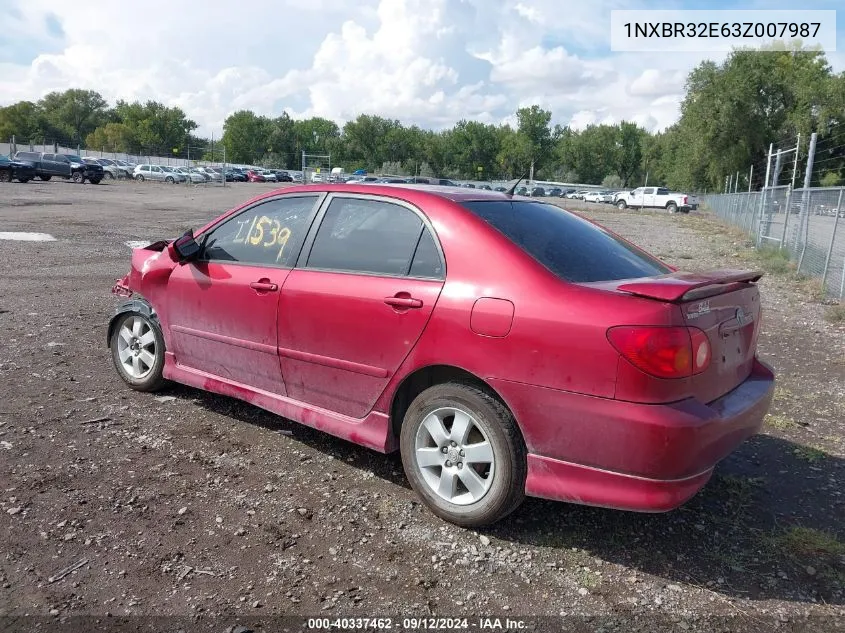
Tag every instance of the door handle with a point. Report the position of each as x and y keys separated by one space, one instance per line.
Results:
x=263 y=285
x=403 y=302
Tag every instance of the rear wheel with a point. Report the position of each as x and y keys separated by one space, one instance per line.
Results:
x=108 y=175
x=672 y=207
x=169 y=180
x=23 y=179
x=95 y=181
x=139 y=178
x=78 y=177
x=463 y=454
x=45 y=178
x=6 y=175
x=137 y=349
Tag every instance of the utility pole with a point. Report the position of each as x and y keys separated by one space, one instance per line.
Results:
x=212 y=147
x=224 y=166
x=531 y=177
x=736 y=182
x=750 y=175
x=811 y=155
x=645 y=184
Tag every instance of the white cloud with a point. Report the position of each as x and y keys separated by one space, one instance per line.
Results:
x=429 y=62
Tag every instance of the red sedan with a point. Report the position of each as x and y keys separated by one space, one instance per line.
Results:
x=504 y=346
x=254 y=176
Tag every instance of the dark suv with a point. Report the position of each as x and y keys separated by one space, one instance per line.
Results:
x=67 y=166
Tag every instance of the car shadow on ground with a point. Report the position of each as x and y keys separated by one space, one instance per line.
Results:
x=768 y=525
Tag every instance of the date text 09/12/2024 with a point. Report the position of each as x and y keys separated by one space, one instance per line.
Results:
x=417 y=624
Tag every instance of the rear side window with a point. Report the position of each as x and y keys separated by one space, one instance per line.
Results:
x=662 y=192
x=569 y=246
x=367 y=236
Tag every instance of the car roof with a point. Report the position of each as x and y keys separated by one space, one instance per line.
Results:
x=409 y=192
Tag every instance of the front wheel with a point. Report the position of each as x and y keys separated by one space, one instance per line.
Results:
x=169 y=180
x=463 y=454
x=137 y=348
x=621 y=205
x=78 y=177
x=108 y=175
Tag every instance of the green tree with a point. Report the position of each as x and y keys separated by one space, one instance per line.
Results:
x=245 y=136
x=473 y=145
x=629 y=152
x=24 y=120
x=74 y=114
x=533 y=125
x=112 y=137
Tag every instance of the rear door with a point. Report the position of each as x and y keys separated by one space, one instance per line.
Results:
x=357 y=302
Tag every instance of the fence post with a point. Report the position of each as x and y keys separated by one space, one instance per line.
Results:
x=763 y=196
x=788 y=210
x=832 y=239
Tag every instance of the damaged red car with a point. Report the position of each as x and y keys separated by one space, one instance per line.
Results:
x=504 y=346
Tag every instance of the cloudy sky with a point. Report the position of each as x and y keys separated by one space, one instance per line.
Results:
x=429 y=62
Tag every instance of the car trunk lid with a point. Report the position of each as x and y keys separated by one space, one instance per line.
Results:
x=725 y=305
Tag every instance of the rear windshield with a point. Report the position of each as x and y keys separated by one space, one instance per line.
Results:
x=569 y=246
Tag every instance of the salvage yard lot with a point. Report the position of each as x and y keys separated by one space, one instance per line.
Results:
x=185 y=502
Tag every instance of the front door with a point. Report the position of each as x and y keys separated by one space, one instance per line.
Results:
x=357 y=303
x=222 y=309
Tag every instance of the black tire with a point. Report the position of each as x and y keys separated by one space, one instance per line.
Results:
x=621 y=205
x=78 y=177
x=95 y=181
x=672 y=207
x=169 y=180
x=23 y=180
x=154 y=380
x=45 y=178
x=507 y=490
x=139 y=178
x=6 y=175
x=108 y=175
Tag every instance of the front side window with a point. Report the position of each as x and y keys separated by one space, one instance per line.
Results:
x=569 y=246
x=268 y=234
x=367 y=236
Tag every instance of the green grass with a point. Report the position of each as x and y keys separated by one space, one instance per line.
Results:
x=774 y=260
x=808 y=547
x=780 y=422
x=805 y=542
x=809 y=454
x=835 y=314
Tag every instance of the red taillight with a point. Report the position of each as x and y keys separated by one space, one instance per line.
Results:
x=665 y=352
x=685 y=199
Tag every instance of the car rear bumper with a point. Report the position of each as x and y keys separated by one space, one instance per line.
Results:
x=631 y=456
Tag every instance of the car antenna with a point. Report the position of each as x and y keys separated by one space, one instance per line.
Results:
x=510 y=191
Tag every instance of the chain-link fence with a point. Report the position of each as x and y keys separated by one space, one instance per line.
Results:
x=809 y=224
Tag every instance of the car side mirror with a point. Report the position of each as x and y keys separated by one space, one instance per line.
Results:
x=187 y=247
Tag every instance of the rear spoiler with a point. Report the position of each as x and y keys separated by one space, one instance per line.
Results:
x=685 y=286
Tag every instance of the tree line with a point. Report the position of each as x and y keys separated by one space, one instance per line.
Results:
x=730 y=114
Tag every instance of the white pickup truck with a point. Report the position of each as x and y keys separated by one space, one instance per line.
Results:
x=656 y=198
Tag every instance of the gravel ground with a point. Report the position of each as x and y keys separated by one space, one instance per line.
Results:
x=189 y=504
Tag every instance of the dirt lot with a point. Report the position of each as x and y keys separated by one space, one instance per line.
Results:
x=194 y=504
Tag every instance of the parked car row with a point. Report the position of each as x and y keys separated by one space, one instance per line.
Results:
x=45 y=165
